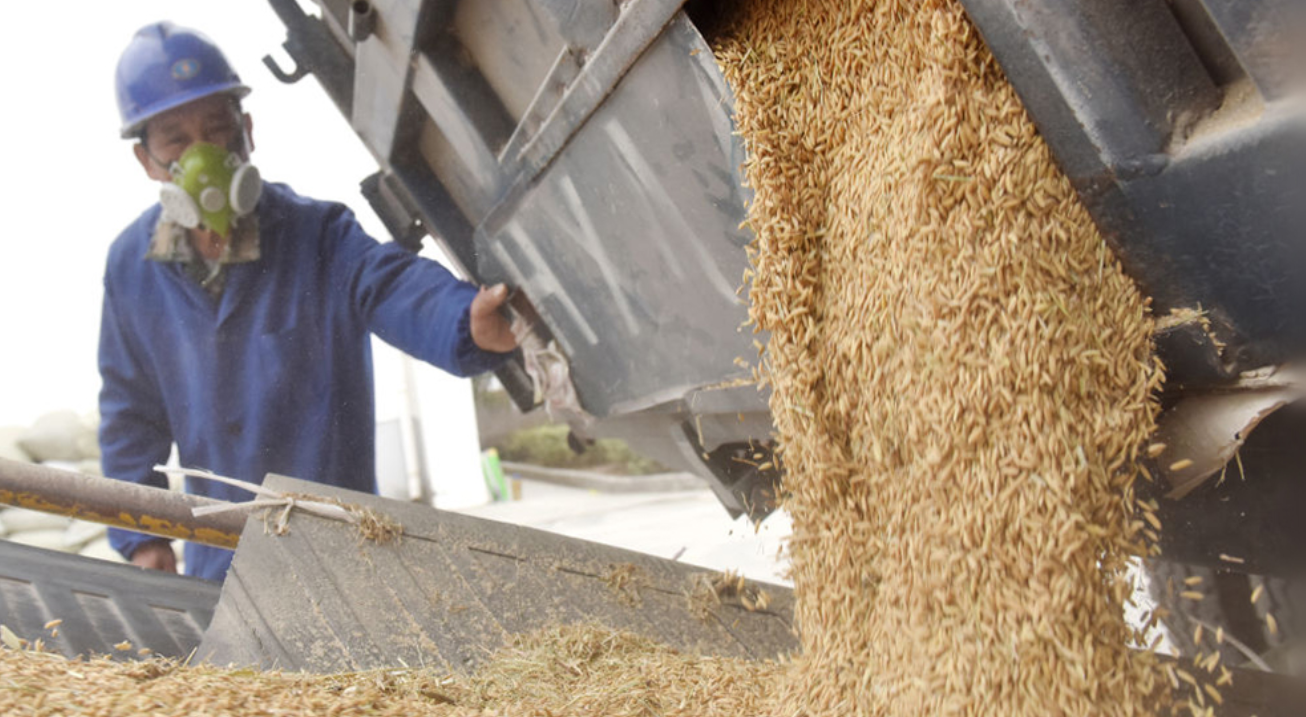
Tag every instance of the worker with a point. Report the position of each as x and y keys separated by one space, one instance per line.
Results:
x=237 y=314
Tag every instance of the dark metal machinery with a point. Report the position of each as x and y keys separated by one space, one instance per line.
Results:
x=1179 y=122
x=1181 y=125
x=583 y=152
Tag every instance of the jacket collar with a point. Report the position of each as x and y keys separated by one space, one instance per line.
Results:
x=170 y=243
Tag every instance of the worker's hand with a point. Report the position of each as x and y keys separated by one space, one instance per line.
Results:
x=491 y=330
x=156 y=555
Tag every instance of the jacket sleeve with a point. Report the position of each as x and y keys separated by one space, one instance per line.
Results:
x=134 y=433
x=411 y=302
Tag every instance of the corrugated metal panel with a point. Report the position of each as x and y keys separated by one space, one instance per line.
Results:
x=101 y=604
x=320 y=599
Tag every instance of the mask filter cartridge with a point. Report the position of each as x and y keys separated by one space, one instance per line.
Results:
x=211 y=186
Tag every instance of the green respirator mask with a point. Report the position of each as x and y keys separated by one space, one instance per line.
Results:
x=210 y=186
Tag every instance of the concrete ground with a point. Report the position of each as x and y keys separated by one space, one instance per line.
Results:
x=690 y=526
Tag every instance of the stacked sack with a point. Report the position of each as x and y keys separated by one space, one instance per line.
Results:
x=61 y=440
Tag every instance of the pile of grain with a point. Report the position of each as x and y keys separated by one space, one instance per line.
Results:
x=961 y=374
x=566 y=671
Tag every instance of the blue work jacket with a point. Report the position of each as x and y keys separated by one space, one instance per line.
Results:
x=275 y=375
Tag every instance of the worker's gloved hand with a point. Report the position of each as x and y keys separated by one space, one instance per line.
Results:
x=156 y=555
x=491 y=330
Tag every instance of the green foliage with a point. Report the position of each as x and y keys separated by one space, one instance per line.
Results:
x=547 y=446
x=487 y=395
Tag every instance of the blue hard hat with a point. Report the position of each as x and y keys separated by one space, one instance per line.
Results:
x=166 y=66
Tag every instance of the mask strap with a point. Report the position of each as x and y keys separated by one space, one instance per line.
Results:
x=170 y=168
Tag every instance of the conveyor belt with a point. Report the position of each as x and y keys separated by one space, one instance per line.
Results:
x=101 y=604
x=322 y=599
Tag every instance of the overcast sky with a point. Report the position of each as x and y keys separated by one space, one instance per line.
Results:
x=74 y=184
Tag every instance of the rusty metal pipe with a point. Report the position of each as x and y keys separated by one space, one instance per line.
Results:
x=117 y=503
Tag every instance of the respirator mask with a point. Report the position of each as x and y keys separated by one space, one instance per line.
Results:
x=212 y=186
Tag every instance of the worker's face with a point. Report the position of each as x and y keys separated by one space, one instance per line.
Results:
x=216 y=119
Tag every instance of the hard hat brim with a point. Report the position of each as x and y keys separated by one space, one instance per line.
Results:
x=133 y=130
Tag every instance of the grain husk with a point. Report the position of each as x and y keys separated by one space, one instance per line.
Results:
x=961 y=375
x=577 y=670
